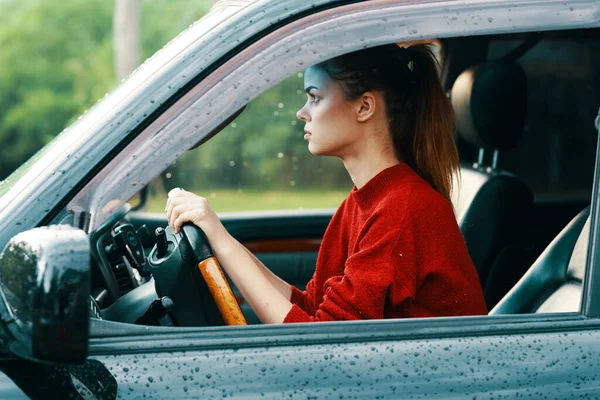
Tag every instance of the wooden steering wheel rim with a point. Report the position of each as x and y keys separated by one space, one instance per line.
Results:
x=221 y=292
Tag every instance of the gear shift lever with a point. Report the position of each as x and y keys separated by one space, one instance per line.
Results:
x=161 y=242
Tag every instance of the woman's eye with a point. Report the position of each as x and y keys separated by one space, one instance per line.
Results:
x=314 y=98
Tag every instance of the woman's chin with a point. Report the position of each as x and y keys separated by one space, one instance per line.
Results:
x=315 y=150
x=319 y=150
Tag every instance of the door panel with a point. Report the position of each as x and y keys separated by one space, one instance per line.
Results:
x=506 y=366
x=286 y=242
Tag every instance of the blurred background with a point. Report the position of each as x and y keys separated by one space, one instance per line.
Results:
x=59 y=58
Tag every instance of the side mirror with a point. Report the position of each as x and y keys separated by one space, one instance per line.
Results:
x=44 y=294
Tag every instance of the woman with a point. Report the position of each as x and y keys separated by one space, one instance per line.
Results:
x=393 y=249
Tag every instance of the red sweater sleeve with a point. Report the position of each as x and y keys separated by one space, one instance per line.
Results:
x=359 y=294
x=304 y=300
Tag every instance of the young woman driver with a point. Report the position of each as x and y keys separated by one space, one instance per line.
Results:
x=393 y=248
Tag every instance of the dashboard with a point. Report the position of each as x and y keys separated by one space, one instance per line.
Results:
x=141 y=279
x=118 y=258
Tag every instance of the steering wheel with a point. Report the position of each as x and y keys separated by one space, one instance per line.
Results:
x=185 y=269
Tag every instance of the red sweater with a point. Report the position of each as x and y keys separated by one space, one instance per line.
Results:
x=392 y=250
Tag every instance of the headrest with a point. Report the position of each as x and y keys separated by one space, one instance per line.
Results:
x=490 y=102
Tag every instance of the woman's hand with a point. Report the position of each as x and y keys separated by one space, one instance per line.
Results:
x=183 y=206
x=266 y=294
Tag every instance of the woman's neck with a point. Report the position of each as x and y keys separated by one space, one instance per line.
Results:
x=364 y=167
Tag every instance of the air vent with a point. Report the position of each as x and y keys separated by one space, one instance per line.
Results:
x=122 y=277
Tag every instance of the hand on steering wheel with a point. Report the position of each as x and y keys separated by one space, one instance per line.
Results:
x=184 y=207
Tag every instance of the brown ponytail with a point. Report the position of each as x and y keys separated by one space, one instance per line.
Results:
x=421 y=117
x=434 y=151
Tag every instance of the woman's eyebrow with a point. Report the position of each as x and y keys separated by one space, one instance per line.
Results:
x=308 y=89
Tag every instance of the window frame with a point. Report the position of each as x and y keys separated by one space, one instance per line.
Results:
x=590 y=306
x=429 y=20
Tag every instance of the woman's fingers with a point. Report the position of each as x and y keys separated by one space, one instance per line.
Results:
x=176 y=194
x=194 y=208
x=185 y=207
x=186 y=216
x=181 y=197
x=177 y=210
x=171 y=204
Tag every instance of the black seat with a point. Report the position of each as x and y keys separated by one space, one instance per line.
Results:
x=491 y=205
x=554 y=281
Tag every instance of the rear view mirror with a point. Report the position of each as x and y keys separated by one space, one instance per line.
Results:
x=44 y=290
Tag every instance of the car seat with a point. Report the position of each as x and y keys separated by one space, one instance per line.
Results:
x=491 y=205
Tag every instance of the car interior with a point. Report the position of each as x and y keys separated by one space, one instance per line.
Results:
x=525 y=109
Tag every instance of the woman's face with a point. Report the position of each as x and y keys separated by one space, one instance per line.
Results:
x=331 y=127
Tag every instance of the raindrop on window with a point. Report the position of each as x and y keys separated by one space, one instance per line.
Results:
x=292 y=183
x=231 y=163
x=276 y=113
x=300 y=74
x=294 y=122
x=280 y=105
x=233 y=125
x=298 y=92
x=280 y=155
x=213 y=195
x=168 y=175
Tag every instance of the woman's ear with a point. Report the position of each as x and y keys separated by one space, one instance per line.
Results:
x=367 y=106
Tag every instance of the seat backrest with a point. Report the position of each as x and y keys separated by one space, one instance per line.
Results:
x=491 y=210
x=554 y=281
x=491 y=205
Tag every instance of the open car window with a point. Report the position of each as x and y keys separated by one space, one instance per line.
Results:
x=258 y=162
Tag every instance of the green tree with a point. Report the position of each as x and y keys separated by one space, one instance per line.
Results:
x=56 y=60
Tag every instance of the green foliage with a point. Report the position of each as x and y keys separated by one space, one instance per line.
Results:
x=260 y=200
x=263 y=149
x=56 y=60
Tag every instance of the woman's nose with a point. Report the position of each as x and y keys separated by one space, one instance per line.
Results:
x=302 y=114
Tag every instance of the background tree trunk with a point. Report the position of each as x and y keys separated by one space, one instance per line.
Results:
x=126 y=33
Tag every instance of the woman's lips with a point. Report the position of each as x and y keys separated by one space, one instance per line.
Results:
x=307 y=135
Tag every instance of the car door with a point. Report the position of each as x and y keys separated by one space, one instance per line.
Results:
x=543 y=355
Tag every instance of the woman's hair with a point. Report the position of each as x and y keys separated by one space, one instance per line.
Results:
x=420 y=115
